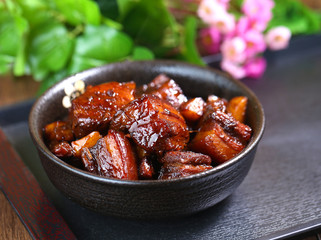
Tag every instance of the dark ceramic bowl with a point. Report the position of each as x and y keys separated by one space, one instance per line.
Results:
x=151 y=198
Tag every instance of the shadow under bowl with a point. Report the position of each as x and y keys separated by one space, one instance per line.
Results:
x=148 y=198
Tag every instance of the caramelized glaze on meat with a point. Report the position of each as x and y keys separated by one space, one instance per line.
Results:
x=146 y=169
x=165 y=88
x=87 y=141
x=237 y=108
x=118 y=131
x=112 y=156
x=61 y=149
x=216 y=103
x=220 y=136
x=177 y=170
x=57 y=135
x=183 y=163
x=154 y=125
x=193 y=109
x=58 y=131
x=93 y=110
x=186 y=157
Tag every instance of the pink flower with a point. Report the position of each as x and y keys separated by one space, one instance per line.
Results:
x=207 y=9
x=259 y=12
x=258 y=8
x=278 y=38
x=223 y=2
x=210 y=39
x=214 y=13
x=233 y=68
x=223 y=21
x=255 y=67
x=242 y=26
x=254 y=42
x=234 y=49
x=242 y=41
x=259 y=24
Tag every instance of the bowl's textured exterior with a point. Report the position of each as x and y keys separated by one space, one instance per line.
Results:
x=151 y=198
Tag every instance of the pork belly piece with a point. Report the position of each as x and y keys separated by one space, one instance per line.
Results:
x=193 y=109
x=237 y=107
x=216 y=103
x=61 y=149
x=146 y=169
x=57 y=135
x=87 y=141
x=165 y=88
x=58 y=131
x=213 y=104
x=185 y=157
x=89 y=162
x=154 y=124
x=93 y=110
x=183 y=163
x=220 y=136
x=146 y=162
x=177 y=170
x=112 y=156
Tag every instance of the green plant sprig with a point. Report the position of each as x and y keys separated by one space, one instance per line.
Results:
x=51 y=39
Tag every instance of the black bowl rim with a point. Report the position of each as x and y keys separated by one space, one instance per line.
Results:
x=141 y=183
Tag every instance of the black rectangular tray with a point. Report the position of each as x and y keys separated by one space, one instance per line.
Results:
x=280 y=197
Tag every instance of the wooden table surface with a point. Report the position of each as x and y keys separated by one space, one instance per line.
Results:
x=13 y=91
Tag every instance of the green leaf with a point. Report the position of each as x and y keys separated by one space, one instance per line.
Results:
x=190 y=51
x=20 y=61
x=79 y=64
x=108 y=8
x=148 y=22
x=50 y=49
x=125 y=6
x=51 y=80
x=313 y=19
x=12 y=7
x=38 y=12
x=296 y=16
x=5 y=63
x=79 y=11
x=113 y=24
x=40 y=74
x=21 y=25
x=103 y=43
x=142 y=53
x=9 y=35
x=13 y=30
x=34 y=5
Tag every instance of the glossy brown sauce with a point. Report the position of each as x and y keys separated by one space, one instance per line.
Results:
x=122 y=131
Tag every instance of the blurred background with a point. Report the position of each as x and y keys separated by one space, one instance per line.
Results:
x=42 y=42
